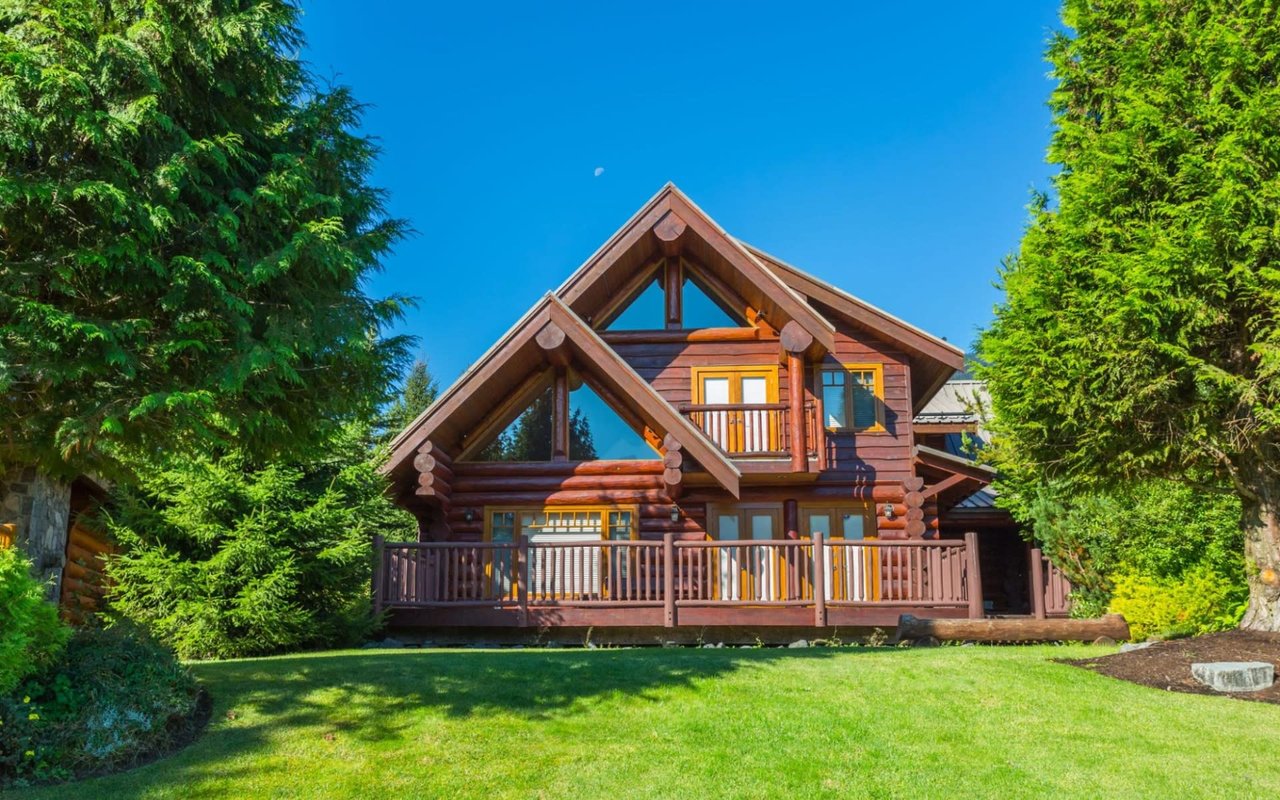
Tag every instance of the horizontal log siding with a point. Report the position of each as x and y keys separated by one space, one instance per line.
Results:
x=668 y=366
x=638 y=483
x=882 y=456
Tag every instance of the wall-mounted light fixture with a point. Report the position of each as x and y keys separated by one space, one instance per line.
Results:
x=469 y=515
x=675 y=513
x=888 y=510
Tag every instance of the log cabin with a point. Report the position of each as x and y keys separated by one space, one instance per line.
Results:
x=762 y=470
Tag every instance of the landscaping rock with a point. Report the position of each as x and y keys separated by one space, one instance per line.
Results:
x=1106 y=641
x=798 y=643
x=1129 y=647
x=1235 y=676
x=385 y=644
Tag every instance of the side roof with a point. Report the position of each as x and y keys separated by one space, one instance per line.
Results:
x=933 y=360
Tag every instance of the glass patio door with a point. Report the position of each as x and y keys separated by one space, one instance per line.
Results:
x=738 y=430
x=749 y=572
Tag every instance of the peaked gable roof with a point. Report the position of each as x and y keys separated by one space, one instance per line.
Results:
x=934 y=360
x=515 y=363
x=671 y=223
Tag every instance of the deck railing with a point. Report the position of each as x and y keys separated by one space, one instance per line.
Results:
x=670 y=574
x=752 y=430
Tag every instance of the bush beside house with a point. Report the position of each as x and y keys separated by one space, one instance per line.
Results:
x=1166 y=554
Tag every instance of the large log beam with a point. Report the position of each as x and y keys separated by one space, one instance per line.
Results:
x=565 y=498
x=668 y=231
x=552 y=341
x=1027 y=629
x=504 y=469
x=553 y=483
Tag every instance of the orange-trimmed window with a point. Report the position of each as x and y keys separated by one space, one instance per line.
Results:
x=838 y=521
x=560 y=523
x=852 y=397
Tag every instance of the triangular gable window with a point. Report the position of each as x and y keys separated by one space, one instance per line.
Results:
x=595 y=432
x=609 y=436
x=645 y=312
x=701 y=309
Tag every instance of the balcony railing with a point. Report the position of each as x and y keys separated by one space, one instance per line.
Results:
x=812 y=574
x=752 y=430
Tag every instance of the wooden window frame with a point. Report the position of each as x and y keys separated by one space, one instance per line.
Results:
x=877 y=390
x=770 y=372
x=603 y=509
x=714 y=511
x=866 y=507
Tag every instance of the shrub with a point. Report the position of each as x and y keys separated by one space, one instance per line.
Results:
x=114 y=697
x=1198 y=601
x=223 y=559
x=31 y=635
x=1154 y=532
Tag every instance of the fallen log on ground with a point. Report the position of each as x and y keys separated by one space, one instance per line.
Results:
x=1028 y=629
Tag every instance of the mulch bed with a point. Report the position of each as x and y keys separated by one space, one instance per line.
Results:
x=1167 y=665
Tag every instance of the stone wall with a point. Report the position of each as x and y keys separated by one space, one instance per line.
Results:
x=39 y=510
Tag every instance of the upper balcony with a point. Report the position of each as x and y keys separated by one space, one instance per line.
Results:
x=760 y=431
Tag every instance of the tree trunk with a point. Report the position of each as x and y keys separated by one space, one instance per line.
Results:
x=1261 y=522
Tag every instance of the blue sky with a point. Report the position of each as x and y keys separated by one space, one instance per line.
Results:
x=888 y=148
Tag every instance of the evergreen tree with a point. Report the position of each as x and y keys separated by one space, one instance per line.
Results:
x=416 y=394
x=185 y=226
x=1140 y=335
x=529 y=437
x=222 y=558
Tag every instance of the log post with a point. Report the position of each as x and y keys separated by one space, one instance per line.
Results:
x=819 y=581
x=522 y=581
x=674 y=280
x=379 y=572
x=560 y=417
x=669 y=579
x=791 y=518
x=795 y=389
x=974 y=575
x=1037 y=584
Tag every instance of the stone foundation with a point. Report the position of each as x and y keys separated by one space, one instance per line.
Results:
x=38 y=509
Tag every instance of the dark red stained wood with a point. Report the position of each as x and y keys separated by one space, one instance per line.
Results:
x=674 y=276
x=560 y=417
x=476 y=469
x=694 y=336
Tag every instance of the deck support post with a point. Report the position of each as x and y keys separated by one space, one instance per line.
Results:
x=1037 y=583
x=669 y=579
x=974 y=575
x=522 y=581
x=819 y=581
x=379 y=572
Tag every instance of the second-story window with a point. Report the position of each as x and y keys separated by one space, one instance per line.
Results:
x=853 y=397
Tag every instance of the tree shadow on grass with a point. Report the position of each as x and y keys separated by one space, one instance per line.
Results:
x=380 y=696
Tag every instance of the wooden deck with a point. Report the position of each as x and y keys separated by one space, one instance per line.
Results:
x=676 y=583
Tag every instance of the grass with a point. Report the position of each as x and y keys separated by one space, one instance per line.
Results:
x=704 y=723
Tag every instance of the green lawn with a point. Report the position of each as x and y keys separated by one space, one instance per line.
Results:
x=946 y=722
